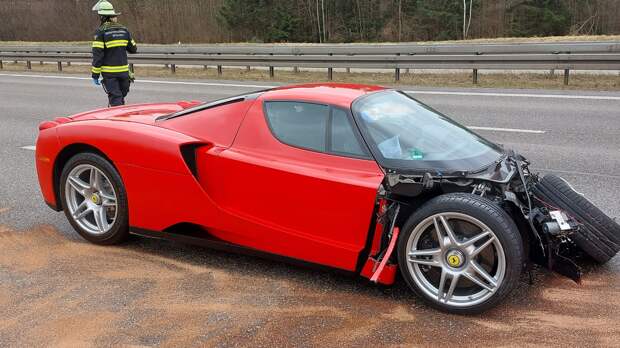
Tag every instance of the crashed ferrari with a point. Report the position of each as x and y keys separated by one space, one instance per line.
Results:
x=363 y=179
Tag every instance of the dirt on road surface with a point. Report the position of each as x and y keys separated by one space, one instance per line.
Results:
x=57 y=290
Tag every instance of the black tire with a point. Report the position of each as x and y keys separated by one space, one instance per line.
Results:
x=119 y=231
x=492 y=216
x=598 y=235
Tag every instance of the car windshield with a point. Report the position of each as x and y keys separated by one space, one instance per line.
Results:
x=406 y=134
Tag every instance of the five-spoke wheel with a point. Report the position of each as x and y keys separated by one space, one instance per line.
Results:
x=461 y=252
x=464 y=264
x=91 y=199
x=94 y=198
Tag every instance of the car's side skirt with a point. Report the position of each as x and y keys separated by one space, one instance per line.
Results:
x=200 y=238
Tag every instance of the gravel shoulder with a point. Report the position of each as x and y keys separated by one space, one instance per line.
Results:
x=56 y=290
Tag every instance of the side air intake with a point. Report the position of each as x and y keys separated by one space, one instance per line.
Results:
x=188 y=151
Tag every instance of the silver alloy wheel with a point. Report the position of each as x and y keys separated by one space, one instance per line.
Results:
x=461 y=268
x=91 y=199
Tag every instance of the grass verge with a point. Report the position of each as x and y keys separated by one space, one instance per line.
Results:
x=568 y=38
x=609 y=82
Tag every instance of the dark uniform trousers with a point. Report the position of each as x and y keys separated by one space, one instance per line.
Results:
x=117 y=88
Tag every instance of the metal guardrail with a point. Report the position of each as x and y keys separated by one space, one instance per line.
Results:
x=517 y=56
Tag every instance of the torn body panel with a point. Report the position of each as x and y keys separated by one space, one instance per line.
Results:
x=507 y=182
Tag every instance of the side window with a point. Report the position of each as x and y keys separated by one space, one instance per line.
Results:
x=299 y=124
x=343 y=138
x=315 y=127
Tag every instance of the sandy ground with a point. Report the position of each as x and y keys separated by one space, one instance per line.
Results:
x=62 y=291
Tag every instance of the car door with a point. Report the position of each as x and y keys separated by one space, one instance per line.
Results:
x=299 y=182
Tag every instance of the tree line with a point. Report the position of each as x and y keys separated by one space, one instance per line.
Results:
x=211 y=21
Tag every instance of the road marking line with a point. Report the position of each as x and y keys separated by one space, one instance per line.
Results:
x=147 y=81
x=609 y=176
x=519 y=95
x=513 y=130
x=477 y=94
x=31 y=148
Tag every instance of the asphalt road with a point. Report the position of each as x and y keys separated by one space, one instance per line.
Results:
x=207 y=297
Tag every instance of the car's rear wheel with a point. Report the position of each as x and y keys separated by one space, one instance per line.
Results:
x=461 y=253
x=94 y=199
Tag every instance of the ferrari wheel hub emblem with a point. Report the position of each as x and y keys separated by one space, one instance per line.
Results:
x=455 y=258
x=95 y=198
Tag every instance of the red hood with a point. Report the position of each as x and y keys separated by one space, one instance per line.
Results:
x=140 y=113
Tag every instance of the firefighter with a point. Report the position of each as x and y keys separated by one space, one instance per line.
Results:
x=110 y=46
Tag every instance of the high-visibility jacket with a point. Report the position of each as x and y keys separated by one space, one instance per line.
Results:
x=110 y=46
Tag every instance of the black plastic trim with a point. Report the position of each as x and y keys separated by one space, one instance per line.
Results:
x=203 y=238
x=365 y=253
x=53 y=206
x=213 y=104
x=188 y=151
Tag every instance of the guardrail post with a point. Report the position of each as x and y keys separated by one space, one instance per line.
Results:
x=59 y=66
x=131 y=67
x=475 y=76
x=28 y=65
x=566 y=76
x=248 y=68
x=173 y=67
x=1 y=65
x=271 y=70
x=68 y=63
x=330 y=71
x=397 y=71
x=219 y=68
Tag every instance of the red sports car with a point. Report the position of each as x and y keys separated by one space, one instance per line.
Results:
x=359 y=178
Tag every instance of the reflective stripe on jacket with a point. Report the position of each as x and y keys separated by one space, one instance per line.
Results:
x=110 y=46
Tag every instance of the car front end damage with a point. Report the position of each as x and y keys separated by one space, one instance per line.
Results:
x=548 y=231
x=449 y=194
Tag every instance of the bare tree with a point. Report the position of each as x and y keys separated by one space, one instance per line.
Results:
x=304 y=20
x=400 y=19
x=471 y=5
x=323 y=13
x=464 y=17
x=318 y=21
x=466 y=21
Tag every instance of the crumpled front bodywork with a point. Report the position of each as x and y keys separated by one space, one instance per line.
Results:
x=508 y=183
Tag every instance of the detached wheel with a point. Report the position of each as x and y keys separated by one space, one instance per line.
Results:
x=598 y=235
x=94 y=199
x=461 y=253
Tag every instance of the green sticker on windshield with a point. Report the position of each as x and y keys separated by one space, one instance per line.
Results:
x=416 y=154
